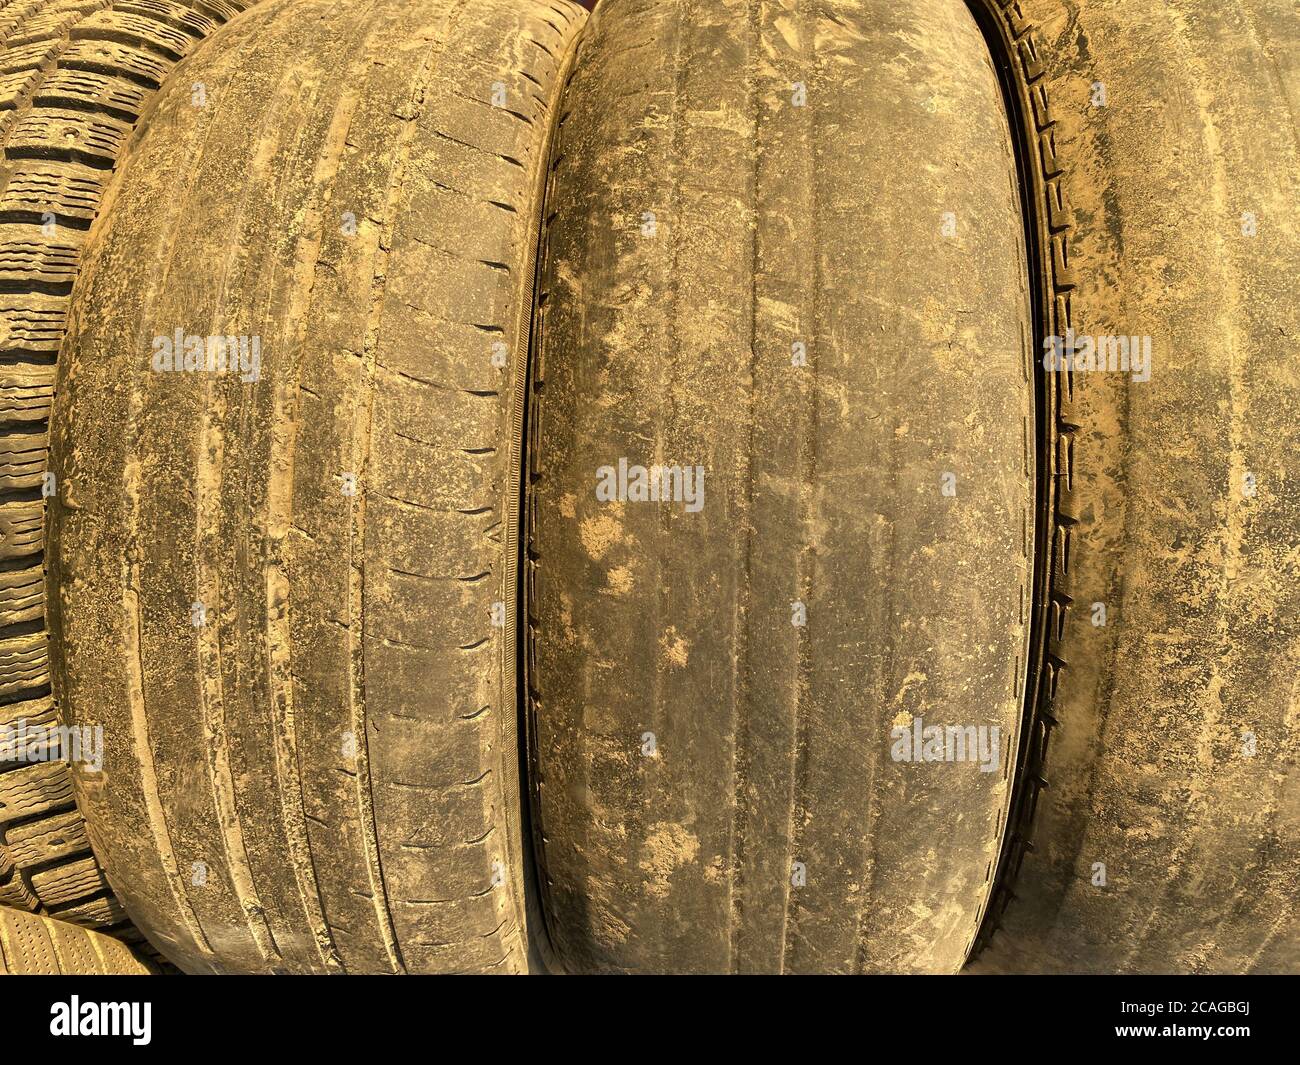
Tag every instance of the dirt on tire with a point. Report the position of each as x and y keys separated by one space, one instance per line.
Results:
x=75 y=78
x=1158 y=825
x=287 y=590
x=800 y=287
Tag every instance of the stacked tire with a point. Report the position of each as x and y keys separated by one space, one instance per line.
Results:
x=1163 y=815
x=76 y=79
x=297 y=618
x=535 y=492
x=32 y=944
x=711 y=679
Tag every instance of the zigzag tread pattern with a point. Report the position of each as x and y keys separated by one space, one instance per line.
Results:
x=1010 y=33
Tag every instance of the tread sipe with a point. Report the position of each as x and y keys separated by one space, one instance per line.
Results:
x=289 y=594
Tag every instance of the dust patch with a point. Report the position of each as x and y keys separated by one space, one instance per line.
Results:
x=675 y=650
x=619 y=580
x=913 y=678
x=668 y=847
x=599 y=534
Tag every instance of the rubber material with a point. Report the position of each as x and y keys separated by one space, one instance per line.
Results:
x=784 y=244
x=1162 y=819
x=296 y=622
x=36 y=945
x=75 y=76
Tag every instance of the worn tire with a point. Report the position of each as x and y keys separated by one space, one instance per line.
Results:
x=328 y=739
x=75 y=76
x=1149 y=840
x=35 y=945
x=692 y=740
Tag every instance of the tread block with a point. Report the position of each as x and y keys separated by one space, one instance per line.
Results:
x=99 y=913
x=179 y=16
x=82 y=88
x=76 y=951
x=222 y=9
x=22 y=595
x=67 y=883
x=33 y=788
x=49 y=839
x=12 y=13
x=22 y=529
x=112 y=57
x=25 y=396
x=65 y=190
x=138 y=30
x=16 y=86
x=63 y=134
x=24 y=667
x=29 y=947
x=23 y=460
x=32 y=711
x=50 y=27
x=16 y=895
x=32 y=323
x=28 y=57
x=28 y=257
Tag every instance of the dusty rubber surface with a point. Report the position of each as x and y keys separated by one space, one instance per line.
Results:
x=35 y=945
x=1167 y=835
x=290 y=599
x=784 y=245
x=75 y=76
